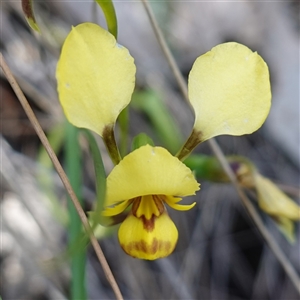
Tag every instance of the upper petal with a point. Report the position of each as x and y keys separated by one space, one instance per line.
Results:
x=95 y=77
x=149 y=171
x=229 y=89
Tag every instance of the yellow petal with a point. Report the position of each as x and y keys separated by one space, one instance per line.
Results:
x=229 y=89
x=151 y=239
x=149 y=171
x=273 y=201
x=171 y=201
x=112 y=211
x=95 y=77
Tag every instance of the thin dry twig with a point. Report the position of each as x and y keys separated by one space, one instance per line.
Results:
x=279 y=254
x=62 y=175
x=287 y=266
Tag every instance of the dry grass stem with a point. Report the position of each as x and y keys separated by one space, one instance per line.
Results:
x=289 y=269
x=62 y=175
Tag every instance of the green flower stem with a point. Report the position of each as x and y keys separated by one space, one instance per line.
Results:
x=108 y=9
x=123 y=123
x=108 y=136
x=193 y=140
x=78 y=259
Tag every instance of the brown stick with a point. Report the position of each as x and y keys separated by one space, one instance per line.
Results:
x=62 y=175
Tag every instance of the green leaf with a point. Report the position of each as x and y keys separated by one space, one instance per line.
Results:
x=73 y=168
x=108 y=9
x=100 y=178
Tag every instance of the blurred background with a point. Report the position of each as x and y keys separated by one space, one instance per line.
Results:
x=220 y=254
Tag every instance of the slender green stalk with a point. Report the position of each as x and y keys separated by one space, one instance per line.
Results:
x=123 y=124
x=73 y=167
x=108 y=9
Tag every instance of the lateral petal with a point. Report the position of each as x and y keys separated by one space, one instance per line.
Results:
x=229 y=89
x=96 y=77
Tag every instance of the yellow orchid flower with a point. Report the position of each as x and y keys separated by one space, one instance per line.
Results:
x=147 y=179
x=229 y=90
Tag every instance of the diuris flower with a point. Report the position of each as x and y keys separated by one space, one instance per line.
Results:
x=147 y=179
x=229 y=90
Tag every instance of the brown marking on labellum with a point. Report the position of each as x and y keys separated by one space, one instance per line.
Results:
x=149 y=225
x=135 y=205
x=159 y=202
x=149 y=249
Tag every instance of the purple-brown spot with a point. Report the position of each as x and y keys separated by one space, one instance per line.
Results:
x=28 y=9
